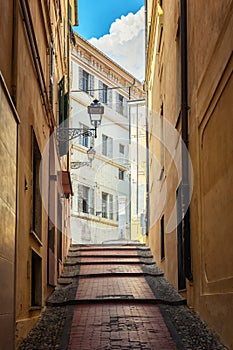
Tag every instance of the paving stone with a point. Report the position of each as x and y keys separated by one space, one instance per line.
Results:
x=124 y=315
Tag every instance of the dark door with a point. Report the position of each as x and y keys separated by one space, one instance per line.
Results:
x=180 y=241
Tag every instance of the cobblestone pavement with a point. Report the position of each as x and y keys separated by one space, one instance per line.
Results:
x=115 y=297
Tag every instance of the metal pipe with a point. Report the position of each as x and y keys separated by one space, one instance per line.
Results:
x=185 y=139
x=26 y=14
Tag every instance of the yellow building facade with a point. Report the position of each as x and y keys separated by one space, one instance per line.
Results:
x=36 y=189
x=190 y=119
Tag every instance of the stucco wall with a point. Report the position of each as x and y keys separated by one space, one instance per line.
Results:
x=8 y=164
x=210 y=27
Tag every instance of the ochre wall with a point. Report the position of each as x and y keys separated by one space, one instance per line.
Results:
x=8 y=164
x=210 y=118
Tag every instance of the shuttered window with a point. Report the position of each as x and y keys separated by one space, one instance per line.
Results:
x=63 y=112
x=86 y=82
x=51 y=76
x=121 y=104
x=103 y=92
x=107 y=206
x=107 y=146
x=85 y=199
x=36 y=193
x=109 y=98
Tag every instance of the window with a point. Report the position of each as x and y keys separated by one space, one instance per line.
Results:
x=107 y=146
x=104 y=205
x=119 y=103
x=63 y=112
x=162 y=243
x=110 y=206
x=36 y=280
x=103 y=92
x=107 y=206
x=63 y=106
x=86 y=82
x=121 y=174
x=180 y=240
x=59 y=231
x=162 y=148
x=51 y=76
x=122 y=149
x=84 y=139
x=36 y=197
x=85 y=199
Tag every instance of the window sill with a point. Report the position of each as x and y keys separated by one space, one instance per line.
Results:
x=34 y=308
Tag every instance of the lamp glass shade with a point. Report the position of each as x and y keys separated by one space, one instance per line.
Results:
x=95 y=110
x=91 y=153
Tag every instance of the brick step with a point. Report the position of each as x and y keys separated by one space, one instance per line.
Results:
x=116 y=256
x=113 y=262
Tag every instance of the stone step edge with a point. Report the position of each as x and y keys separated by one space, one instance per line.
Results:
x=113 y=257
x=155 y=301
x=139 y=262
x=131 y=248
x=114 y=274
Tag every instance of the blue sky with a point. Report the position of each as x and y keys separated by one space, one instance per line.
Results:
x=96 y=16
x=117 y=28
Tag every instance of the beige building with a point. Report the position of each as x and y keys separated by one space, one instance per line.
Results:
x=189 y=84
x=138 y=169
x=101 y=205
x=35 y=195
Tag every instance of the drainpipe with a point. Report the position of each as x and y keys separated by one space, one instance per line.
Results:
x=185 y=139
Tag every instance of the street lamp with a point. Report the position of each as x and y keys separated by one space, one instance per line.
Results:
x=90 y=155
x=95 y=111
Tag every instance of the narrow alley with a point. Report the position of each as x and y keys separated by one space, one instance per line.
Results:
x=115 y=297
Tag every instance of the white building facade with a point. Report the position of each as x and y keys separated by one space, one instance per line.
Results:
x=101 y=204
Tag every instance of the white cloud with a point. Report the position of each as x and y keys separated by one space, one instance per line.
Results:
x=125 y=43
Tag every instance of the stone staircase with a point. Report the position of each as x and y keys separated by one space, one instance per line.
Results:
x=107 y=261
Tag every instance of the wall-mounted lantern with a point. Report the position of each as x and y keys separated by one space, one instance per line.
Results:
x=90 y=155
